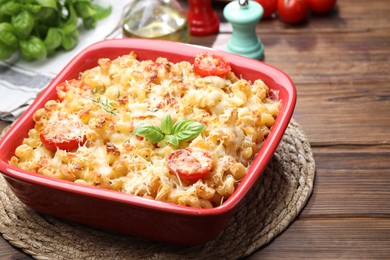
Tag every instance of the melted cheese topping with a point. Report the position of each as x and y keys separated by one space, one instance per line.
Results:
x=125 y=92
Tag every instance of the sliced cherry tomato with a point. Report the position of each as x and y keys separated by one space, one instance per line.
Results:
x=190 y=164
x=320 y=6
x=64 y=134
x=269 y=7
x=207 y=64
x=66 y=85
x=292 y=11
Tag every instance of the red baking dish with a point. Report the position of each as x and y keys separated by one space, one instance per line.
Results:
x=127 y=214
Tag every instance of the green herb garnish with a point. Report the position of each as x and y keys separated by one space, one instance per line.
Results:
x=182 y=130
x=107 y=105
x=98 y=90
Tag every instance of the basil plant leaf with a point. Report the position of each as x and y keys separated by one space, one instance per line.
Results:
x=33 y=48
x=47 y=3
x=101 y=11
x=53 y=39
x=70 y=40
x=89 y=22
x=71 y=23
x=6 y=51
x=10 y=8
x=186 y=129
x=84 y=9
x=87 y=13
x=23 y=23
x=7 y=35
x=152 y=133
x=172 y=140
x=167 y=125
x=32 y=8
x=47 y=16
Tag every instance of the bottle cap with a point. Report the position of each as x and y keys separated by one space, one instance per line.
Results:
x=202 y=18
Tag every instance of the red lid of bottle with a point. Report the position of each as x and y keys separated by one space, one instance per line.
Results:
x=203 y=20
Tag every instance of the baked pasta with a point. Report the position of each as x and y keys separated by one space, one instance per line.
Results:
x=182 y=133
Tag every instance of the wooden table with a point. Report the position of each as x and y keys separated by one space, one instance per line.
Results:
x=340 y=64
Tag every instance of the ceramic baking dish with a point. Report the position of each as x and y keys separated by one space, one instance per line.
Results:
x=133 y=215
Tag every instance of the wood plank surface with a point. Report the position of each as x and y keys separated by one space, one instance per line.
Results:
x=350 y=182
x=331 y=238
x=340 y=64
x=345 y=114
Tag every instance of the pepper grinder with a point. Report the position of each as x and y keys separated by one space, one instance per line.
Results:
x=202 y=18
x=244 y=15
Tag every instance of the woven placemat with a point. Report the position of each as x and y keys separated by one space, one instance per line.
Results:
x=271 y=205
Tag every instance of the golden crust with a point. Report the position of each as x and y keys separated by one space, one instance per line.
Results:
x=116 y=96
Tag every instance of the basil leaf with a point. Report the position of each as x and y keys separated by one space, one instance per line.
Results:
x=91 y=13
x=172 y=140
x=23 y=23
x=84 y=9
x=186 y=129
x=48 y=3
x=89 y=22
x=70 y=40
x=10 y=8
x=101 y=11
x=87 y=13
x=6 y=51
x=32 y=8
x=7 y=35
x=53 y=39
x=33 y=48
x=152 y=133
x=71 y=23
x=167 y=125
x=47 y=16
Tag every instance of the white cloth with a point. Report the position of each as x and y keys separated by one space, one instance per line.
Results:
x=21 y=81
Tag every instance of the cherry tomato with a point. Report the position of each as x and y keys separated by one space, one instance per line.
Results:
x=320 y=6
x=64 y=134
x=190 y=164
x=207 y=64
x=66 y=85
x=269 y=7
x=292 y=11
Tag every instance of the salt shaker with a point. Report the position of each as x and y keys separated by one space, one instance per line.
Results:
x=244 y=16
x=202 y=18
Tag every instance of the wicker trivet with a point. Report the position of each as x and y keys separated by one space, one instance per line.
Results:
x=272 y=204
